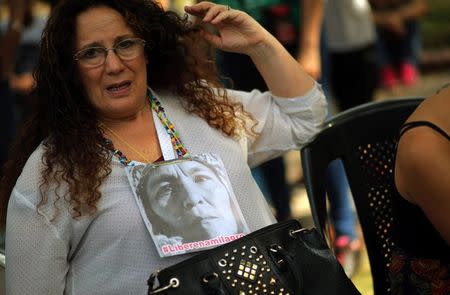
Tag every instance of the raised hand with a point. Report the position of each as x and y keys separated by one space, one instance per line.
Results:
x=238 y=32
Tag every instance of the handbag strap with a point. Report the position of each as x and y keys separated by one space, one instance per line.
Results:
x=285 y=263
x=213 y=285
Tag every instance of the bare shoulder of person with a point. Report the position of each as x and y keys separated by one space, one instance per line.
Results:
x=422 y=154
x=435 y=109
x=445 y=87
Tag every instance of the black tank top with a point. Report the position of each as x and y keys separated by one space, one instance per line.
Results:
x=412 y=231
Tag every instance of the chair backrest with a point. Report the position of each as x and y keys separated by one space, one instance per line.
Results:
x=364 y=137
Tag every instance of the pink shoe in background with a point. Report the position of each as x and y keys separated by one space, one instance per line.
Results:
x=348 y=253
x=388 y=77
x=408 y=74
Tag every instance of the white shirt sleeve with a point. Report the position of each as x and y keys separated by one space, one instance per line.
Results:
x=282 y=123
x=36 y=256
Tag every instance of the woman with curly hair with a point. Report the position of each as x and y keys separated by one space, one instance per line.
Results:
x=121 y=82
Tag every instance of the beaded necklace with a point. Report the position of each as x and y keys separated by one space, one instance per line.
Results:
x=175 y=139
x=170 y=128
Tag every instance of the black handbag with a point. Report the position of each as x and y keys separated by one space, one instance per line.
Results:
x=282 y=258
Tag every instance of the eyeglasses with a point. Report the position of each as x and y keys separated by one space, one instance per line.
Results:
x=126 y=49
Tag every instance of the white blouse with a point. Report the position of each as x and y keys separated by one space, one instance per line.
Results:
x=111 y=252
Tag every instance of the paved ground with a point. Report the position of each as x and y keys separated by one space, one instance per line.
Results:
x=428 y=84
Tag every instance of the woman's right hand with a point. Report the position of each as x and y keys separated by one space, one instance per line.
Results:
x=238 y=32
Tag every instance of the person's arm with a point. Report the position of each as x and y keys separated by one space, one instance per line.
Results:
x=395 y=19
x=282 y=124
x=422 y=172
x=309 y=40
x=36 y=255
x=389 y=20
x=422 y=175
x=240 y=33
x=412 y=10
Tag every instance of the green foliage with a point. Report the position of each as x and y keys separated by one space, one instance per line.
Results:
x=436 y=25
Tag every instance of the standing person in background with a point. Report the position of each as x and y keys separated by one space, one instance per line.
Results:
x=300 y=33
x=18 y=55
x=19 y=17
x=351 y=44
x=399 y=41
x=350 y=38
x=21 y=81
x=301 y=37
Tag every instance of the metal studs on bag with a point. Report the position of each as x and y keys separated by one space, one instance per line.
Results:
x=247 y=271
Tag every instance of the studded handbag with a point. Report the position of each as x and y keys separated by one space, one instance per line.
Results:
x=282 y=258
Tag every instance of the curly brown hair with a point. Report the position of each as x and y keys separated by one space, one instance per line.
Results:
x=64 y=120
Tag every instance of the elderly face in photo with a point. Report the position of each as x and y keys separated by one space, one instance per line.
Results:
x=189 y=199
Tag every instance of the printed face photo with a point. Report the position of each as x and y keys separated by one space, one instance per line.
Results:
x=189 y=200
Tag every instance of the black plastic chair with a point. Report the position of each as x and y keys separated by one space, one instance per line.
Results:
x=364 y=137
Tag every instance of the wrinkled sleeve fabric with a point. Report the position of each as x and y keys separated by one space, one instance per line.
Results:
x=282 y=123
x=36 y=255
